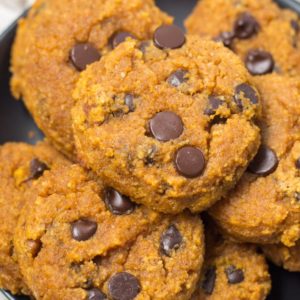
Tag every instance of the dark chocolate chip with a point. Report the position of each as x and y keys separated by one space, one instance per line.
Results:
x=169 y=37
x=96 y=294
x=166 y=126
x=35 y=247
x=246 y=91
x=82 y=55
x=177 y=78
x=297 y=163
x=264 y=163
x=117 y=203
x=214 y=104
x=37 y=168
x=170 y=240
x=129 y=101
x=189 y=162
x=120 y=37
x=226 y=38
x=234 y=275
x=209 y=281
x=259 y=62
x=245 y=26
x=83 y=229
x=123 y=286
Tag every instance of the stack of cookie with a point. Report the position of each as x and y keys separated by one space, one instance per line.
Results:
x=148 y=130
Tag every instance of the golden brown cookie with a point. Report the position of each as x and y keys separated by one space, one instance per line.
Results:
x=79 y=240
x=265 y=206
x=263 y=35
x=21 y=168
x=168 y=122
x=57 y=40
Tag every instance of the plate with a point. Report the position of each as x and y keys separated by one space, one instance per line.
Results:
x=16 y=124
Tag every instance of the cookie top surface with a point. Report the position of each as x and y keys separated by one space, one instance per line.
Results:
x=77 y=240
x=57 y=40
x=21 y=168
x=265 y=206
x=263 y=35
x=173 y=127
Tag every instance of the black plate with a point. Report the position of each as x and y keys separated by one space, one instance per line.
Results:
x=16 y=124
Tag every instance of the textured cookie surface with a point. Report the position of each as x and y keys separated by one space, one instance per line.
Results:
x=172 y=128
x=58 y=40
x=79 y=240
x=21 y=167
x=263 y=35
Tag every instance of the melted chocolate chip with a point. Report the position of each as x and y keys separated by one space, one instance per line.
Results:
x=37 y=168
x=120 y=37
x=264 y=163
x=83 y=229
x=226 y=38
x=129 y=101
x=177 y=78
x=35 y=247
x=117 y=203
x=169 y=37
x=259 y=62
x=96 y=294
x=214 y=104
x=245 y=26
x=234 y=275
x=123 y=286
x=246 y=91
x=170 y=240
x=297 y=163
x=209 y=281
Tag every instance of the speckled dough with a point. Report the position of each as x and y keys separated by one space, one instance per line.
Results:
x=266 y=209
x=57 y=266
x=115 y=140
x=17 y=178
x=43 y=74
x=277 y=31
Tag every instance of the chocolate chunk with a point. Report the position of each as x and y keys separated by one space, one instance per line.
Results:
x=246 y=91
x=245 y=26
x=123 y=286
x=234 y=275
x=189 y=162
x=83 y=229
x=120 y=37
x=214 y=104
x=209 y=281
x=264 y=163
x=35 y=247
x=96 y=294
x=37 y=168
x=117 y=203
x=177 y=78
x=169 y=37
x=170 y=240
x=166 y=126
x=297 y=163
x=82 y=55
x=226 y=38
x=259 y=62
x=129 y=101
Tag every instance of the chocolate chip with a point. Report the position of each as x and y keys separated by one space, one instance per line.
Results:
x=177 y=78
x=209 y=281
x=214 y=104
x=81 y=55
x=226 y=38
x=37 y=168
x=265 y=162
x=96 y=294
x=246 y=91
x=170 y=240
x=35 y=247
x=117 y=203
x=259 y=62
x=297 y=163
x=169 y=37
x=234 y=275
x=83 y=229
x=189 y=162
x=129 y=101
x=123 y=286
x=245 y=26
x=120 y=37
x=166 y=126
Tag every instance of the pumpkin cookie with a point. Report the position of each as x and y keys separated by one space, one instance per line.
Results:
x=167 y=122
x=79 y=240
x=263 y=35
x=21 y=167
x=57 y=40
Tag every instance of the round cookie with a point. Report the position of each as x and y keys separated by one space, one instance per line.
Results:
x=171 y=120
x=265 y=207
x=79 y=240
x=263 y=35
x=57 y=40
x=286 y=257
x=21 y=167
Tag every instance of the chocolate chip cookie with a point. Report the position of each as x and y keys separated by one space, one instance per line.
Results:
x=263 y=35
x=265 y=206
x=80 y=240
x=21 y=167
x=167 y=122
x=57 y=40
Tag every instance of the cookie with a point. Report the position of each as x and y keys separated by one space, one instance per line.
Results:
x=80 y=240
x=263 y=35
x=167 y=122
x=21 y=167
x=57 y=40
x=265 y=206
x=282 y=256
